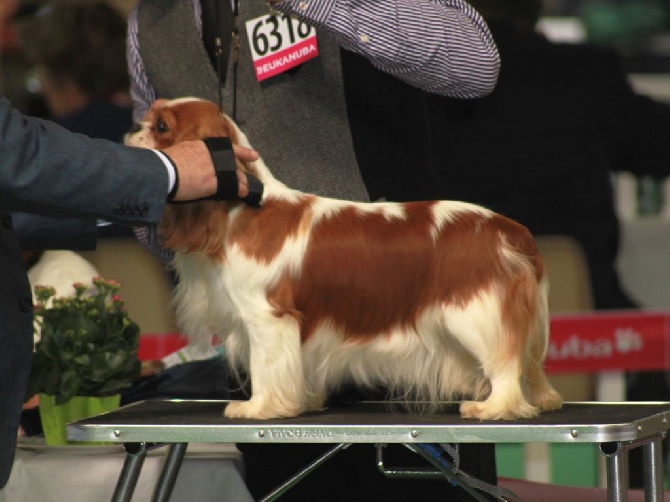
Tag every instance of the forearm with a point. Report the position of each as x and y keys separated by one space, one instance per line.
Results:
x=46 y=167
x=441 y=46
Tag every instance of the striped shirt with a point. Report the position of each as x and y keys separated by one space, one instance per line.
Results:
x=440 y=46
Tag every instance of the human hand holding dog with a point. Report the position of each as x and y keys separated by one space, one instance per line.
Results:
x=195 y=170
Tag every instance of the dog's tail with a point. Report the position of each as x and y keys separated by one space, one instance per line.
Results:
x=524 y=297
x=526 y=305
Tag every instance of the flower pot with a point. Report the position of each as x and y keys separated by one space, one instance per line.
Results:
x=55 y=417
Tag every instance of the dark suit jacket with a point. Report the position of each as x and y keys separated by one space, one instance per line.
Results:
x=539 y=149
x=45 y=169
x=39 y=233
x=98 y=118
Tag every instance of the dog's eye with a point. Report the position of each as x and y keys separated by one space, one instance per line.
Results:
x=161 y=126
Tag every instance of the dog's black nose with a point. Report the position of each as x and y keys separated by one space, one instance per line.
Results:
x=135 y=128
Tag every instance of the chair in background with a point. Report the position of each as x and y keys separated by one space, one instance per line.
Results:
x=569 y=292
x=145 y=284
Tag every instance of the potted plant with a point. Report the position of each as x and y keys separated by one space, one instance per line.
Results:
x=86 y=354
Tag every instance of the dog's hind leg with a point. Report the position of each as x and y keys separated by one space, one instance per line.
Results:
x=540 y=391
x=506 y=400
x=275 y=368
x=496 y=335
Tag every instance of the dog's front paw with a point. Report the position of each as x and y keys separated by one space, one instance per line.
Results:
x=257 y=410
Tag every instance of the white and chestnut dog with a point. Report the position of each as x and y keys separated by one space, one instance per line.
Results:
x=432 y=300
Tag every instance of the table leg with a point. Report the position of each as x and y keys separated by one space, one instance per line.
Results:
x=616 y=461
x=125 y=486
x=616 y=455
x=168 y=476
x=653 y=471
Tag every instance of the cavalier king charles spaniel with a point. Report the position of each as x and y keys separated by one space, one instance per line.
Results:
x=433 y=300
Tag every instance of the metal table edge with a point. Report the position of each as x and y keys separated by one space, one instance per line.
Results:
x=483 y=432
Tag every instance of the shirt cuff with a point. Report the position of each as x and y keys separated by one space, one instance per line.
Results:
x=172 y=175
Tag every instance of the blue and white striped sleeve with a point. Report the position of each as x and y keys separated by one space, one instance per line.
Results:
x=141 y=90
x=440 y=46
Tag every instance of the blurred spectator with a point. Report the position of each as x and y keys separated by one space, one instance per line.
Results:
x=7 y=10
x=540 y=148
x=78 y=49
x=13 y=64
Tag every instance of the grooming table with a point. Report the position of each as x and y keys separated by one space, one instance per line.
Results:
x=614 y=428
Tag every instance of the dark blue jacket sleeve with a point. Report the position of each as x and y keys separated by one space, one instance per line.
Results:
x=48 y=170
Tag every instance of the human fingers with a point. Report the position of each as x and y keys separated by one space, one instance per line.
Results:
x=244 y=154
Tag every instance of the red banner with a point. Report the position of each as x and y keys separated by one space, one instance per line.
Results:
x=157 y=346
x=612 y=341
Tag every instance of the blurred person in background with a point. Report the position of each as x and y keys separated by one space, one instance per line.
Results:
x=541 y=148
x=78 y=50
x=13 y=64
x=7 y=10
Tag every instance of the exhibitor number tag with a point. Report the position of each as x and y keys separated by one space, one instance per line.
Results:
x=278 y=43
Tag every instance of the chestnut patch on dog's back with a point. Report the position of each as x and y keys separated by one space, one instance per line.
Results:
x=360 y=269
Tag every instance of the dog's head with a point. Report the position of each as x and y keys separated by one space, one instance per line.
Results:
x=196 y=226
x=169 y=122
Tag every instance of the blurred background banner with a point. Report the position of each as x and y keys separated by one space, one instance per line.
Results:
x=621 y=341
